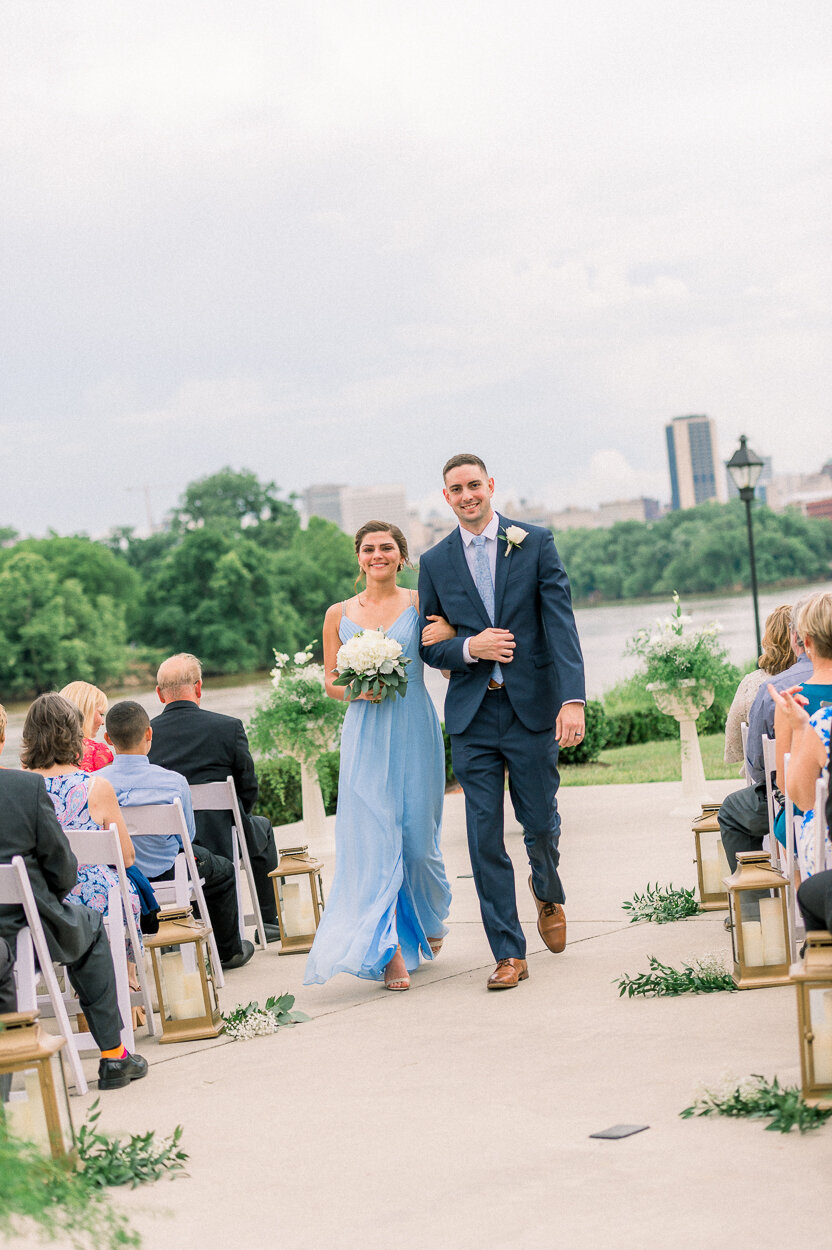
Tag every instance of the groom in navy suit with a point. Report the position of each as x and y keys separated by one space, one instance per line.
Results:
x=516 y=695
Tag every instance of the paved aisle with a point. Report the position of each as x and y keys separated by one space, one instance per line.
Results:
x=453 y=1117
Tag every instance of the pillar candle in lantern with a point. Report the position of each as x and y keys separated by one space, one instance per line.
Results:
x=752 y=942
x=774 y=941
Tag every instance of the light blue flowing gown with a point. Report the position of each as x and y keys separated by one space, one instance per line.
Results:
x=390 y=886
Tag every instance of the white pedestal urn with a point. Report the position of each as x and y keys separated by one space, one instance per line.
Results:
x=314 y=813
x=682 y=706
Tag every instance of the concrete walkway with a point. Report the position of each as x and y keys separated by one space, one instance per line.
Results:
x=453 y=1117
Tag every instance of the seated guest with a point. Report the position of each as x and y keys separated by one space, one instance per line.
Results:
x=92 y=704
x=802 y=723
x=136 y=781
x=777 y=656
x=814 y=898
x=75 y=935
x=207 y=746
x=743 y=816
x=52 y=746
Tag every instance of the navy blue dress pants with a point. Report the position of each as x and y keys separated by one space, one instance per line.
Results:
x=496 y=740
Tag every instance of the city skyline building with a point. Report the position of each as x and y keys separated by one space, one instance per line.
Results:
x=693 y=457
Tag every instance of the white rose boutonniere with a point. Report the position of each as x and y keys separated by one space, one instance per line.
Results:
x=514 y=535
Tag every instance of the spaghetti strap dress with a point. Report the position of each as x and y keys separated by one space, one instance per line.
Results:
x=390 y=886
x=70 y=795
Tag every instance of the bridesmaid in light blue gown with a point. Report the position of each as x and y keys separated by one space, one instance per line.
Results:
x=390 y=897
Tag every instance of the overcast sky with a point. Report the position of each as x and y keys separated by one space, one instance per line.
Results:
x=343 y=241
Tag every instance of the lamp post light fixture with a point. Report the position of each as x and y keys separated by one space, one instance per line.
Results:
x=745 y=467
x=34 y=1102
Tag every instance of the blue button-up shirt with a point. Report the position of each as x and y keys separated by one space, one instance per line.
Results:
x=136 y=781
x=761 y=716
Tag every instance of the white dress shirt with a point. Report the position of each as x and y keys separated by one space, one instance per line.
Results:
x=490 y=534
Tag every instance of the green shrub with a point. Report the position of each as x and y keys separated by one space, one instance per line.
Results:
x=280 y=788
x=594 y=739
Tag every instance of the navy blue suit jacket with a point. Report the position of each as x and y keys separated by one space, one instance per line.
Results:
x=532 y=599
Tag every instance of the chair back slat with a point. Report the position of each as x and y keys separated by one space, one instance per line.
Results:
x=214 y=796
x=155 y=820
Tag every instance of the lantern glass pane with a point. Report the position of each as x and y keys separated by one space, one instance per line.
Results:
x=24 y=1110
x=820 y=1011
x=714 y=863
x=751 y=928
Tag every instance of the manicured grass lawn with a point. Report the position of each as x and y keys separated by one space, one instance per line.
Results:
x=649 y=761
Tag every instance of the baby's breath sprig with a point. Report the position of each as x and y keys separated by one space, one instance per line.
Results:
x=245 y=1022
x=758 y=1098
x=706 y=975
x=661 y=904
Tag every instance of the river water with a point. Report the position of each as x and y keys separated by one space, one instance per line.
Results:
x=603 y=630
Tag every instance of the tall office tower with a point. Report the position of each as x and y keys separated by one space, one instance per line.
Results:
x=693 y=458
x=324 y=501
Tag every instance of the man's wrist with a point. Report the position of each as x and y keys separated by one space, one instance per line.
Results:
x=466 y=652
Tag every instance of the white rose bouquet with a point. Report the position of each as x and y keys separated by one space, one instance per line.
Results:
x=372 y=663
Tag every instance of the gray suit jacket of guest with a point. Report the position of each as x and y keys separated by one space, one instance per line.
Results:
x=29 y=828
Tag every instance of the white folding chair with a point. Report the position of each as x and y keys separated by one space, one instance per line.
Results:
x=749 y=780
x=161 y=820
x=15 y=888
x=102 y=847
x=221 y=796
x=819 y=822
x=769 y=768
x=797 y=929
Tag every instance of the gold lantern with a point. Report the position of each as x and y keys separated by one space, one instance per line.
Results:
x=35 y=1100
x=711 y=861
x=184 y=976
x=758 y=907
x=812 y=978
x=299 y=905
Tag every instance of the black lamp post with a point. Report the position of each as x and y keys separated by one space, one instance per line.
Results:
x=745 y=468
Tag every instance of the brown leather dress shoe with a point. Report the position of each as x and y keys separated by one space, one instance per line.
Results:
x=551 y=923
x=507 y=973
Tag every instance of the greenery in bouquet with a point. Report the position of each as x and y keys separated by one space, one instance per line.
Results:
x=298 y=718
x=372 y=663
x=685 y=661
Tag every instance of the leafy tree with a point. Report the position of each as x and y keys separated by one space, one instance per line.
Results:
x=52 y=631
x=231 y=500
x=696 y=551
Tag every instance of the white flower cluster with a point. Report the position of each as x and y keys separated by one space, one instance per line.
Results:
x=713 y=964
x=301 y=659
x=369 y=652
x=256 y=1023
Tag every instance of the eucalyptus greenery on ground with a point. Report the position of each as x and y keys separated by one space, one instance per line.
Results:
x=704 y=976
x=298 y=718
x=661 y=905
x=252 y=1020
x=69 y=1204
x=759 y=1099
x=694 y=664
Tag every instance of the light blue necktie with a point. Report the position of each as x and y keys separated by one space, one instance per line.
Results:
x=485 y=586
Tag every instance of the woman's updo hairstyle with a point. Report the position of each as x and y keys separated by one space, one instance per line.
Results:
x=384 y=527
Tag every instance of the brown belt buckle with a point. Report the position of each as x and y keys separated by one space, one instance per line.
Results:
x=494 y=685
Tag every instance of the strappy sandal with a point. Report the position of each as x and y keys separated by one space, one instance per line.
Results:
x=435 y=945
x=396 y=983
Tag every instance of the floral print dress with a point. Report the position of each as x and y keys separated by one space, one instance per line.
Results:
x=70 y=795
x=804 y=825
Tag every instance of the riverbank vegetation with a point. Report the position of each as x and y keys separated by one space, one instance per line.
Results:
x=695 y=551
